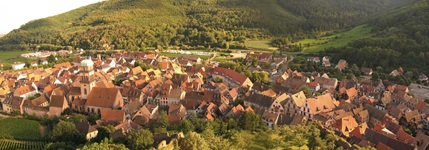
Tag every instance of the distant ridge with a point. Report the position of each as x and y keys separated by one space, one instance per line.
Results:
x=137 y=24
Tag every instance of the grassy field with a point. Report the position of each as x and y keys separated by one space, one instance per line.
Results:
x=336 y=40
x=19 y=129
x=261 y=44
x=175 y=55
x=11 y=56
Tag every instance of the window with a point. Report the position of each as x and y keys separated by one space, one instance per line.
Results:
x=85 y=91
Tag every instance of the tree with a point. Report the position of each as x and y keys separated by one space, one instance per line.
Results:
x=375 y=76
x=186 y=126
x=306 y=90
x=92 y=118
x=78 y=118
x=249 y=121
x=141 y=139
x=163 y=121
x=106 y=144
x=193 y=141
x=60 y=145
x=66 y=132
x=50 y=58
x=103 y=132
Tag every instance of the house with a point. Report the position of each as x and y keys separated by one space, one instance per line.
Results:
x=421 y=141
x=270 y=118
x=326 y=83
x=113 y=116
x=296 y=105
x=423 y=77
x=176 y=112
x=376 y=115
x=103 y=99
x=232 y=78
x=18 y=65
x=34 y=64
x=13 y=104
x=326 y=62
x=366 y=71
x=314 y=87
x=342 y=64
x=145 y=114
x=57 y=105
x=345 y=125
x=236 y=111
x=397 y=72
x=378 y=137
x=170 y=96
x=86 y=129
x=314 y=59
x=43 y=62
x=26 y=91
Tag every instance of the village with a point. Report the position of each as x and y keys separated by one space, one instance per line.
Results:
x=375 y=113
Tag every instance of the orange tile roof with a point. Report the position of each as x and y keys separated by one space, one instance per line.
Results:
x=237 y=77
x=113 y=115
x=103 y=97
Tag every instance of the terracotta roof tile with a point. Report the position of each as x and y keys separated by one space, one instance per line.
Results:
x=113 y=115
x=104 y=97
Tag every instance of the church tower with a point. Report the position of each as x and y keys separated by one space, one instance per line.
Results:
x=87 y=79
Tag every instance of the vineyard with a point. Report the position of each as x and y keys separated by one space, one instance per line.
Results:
x=22 y=129
x=6 y=144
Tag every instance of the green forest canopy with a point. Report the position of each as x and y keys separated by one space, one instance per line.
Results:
x=137 y=24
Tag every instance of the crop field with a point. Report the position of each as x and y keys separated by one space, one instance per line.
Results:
x=6 y=144
x=23 y=129
x=336 y=40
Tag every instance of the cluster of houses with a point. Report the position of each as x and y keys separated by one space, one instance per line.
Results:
x=366 y=114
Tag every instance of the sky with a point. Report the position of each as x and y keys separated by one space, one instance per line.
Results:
x=14 y=13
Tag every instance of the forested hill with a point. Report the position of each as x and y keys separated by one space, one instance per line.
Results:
x=136 y=24
x=401 y=38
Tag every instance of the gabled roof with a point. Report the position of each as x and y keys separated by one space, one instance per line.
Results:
x=412 y=115
x=374 y=112
x=23 y=90
x=321 y=103
x=113 y=115
x=235 y=76
x=103 y=97
x=84 y=127
x=346 y=124
x=376 y=137
x=259 y=99
x=57 y=101
x=299 y=98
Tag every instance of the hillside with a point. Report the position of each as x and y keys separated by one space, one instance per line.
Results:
x=400 y=38
x=138 y=24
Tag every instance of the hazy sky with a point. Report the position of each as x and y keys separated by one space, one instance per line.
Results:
x=14 y=13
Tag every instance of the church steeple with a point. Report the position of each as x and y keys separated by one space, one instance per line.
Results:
x=87 y=80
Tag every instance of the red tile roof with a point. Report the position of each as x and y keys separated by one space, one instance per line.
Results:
x=237 y=77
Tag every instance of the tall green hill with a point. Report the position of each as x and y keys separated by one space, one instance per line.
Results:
x=400 y=38
x=137 y=24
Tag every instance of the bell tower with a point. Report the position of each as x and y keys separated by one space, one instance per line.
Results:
x=87 y=79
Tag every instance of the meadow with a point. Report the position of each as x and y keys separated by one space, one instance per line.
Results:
x=335 y=40
x=11 y=56
x=23 y=129
x=260 y=44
